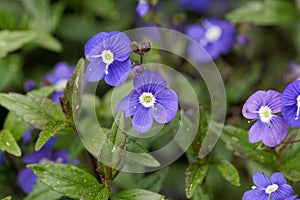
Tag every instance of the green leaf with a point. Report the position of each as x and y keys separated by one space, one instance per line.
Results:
x=112 y=153
x=194 y=176
x=33 y=109
x=15 y=125
x=11 y=74
x=96 y=192
x=236 y=140
x=47 y=41
x=52 y=128
x=7 y=20
x=138 y=194
x=13 y=40
x=154 y=181
x=8 y=143
x=228 y=171
x=291 y=169
x=268 y=12
x=68 y=180
x=43 y=91
x=199 y=194
x=7 y=198
x=42 y=191
x=73 y=89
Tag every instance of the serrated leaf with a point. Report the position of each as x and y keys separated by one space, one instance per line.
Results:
x=194 y=176
x=33 y=109
x=137 y=194
x=42 y=191
x=15 y=125
x=68 y=180
x=97 y=192
x=154 y=181
x=236 y=140
x=268 y=12
x=8 y=143
x=228 y=171
x=52 y=128
x=13 y=40
x=74 y=89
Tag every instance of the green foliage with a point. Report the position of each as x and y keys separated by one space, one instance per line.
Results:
x=15 y=125
x=42 y=191
x=228 y=171
x=52 y=128
x=8 y=143
x=268 y=12
x=194 y=176
x=68 y=180
x=33 y=109
x=137 y=194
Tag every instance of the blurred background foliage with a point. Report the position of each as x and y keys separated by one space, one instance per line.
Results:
x=36 y=34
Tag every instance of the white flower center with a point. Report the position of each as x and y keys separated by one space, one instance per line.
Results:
x=60 y=85
x=271 y=188
x=213 y=33
x=147 y=99
x=108 y=58
x=298 y=108
x=265 y=114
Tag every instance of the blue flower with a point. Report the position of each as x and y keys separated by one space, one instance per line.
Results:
x=199 y=6
x=291 y=104
x=26 y=178
x=29 y=85
x=269 y=128
x=142 y=8
x=214 y=35
x=265 y=188
x=243 y=39
x=108 y=54
x=149 y=99
x=61 y=73
x=1 y=158
x=294 y=73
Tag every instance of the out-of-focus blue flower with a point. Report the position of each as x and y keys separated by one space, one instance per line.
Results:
x=265 y=188
x=199 y=6
x=216 y=36
x=149 y=99
x=1 y=158
x=61 y=73
x=142 y=8
x=270 y=128
x=29 y=85
x=243 y=39
x=108 y=54
x=291 y=104
x=27 y=135
x=294 y=73
x=26 y=178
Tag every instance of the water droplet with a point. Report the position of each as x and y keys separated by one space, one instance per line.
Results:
x=84 y=181
x=249 y=122
x=7 y=143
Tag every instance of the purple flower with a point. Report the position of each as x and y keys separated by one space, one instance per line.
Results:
x=294 y=73
x=62 y=72
x=243 y=39
x=269 y=128
x=108 y=54
x=277 y=188
x=26 y=178
x=1 y=158
x=142 y=8
x=291 y=104
x=29 y=85
x=149 y=99
x=199 y=6
x=214 y=35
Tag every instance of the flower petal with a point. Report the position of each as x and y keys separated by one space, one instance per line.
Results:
x=166 y=106
x=63 y=71
x=124 y=105
x=289 y=114
x=95 y=71
x=134 y=103
x=274 y=134
x=119 y=44
x=255 y=195
x=255 y=132
x=27 y=180
x=278 y=178
x=290 y=94
x=142 y=120
x=142 y=8
x=95 y=43
x=253 y=104
x=272 y=99
x=35 y=157
x=149 y=77
x=284 y=191
x=63 y=156
x=261 y=180
x=118 y=72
